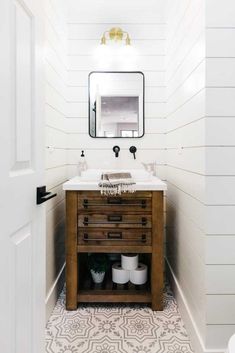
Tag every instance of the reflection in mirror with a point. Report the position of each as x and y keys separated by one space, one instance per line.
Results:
x=116 y=104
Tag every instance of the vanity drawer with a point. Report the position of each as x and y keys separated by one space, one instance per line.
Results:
x=138 y=202
x=114 y=237
x=115 y=220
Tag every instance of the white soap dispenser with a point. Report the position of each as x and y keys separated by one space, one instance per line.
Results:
x=82 y=164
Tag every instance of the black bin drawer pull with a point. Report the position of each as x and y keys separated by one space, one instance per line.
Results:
x=143 y=203
x=144 y=221
x=114 y=218
x=114 y=235
x=86 y=221
x=114 y=201
x=85 y=203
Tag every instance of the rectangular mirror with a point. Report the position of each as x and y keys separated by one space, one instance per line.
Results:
x=116 y=104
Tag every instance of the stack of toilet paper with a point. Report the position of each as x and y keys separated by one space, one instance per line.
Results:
x=129 y=270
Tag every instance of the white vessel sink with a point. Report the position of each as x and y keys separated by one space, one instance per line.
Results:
x=89 y=180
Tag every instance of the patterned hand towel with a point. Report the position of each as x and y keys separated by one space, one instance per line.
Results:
x=116 y=183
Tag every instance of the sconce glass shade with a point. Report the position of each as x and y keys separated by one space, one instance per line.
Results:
x=128 y=40
x=103 y=40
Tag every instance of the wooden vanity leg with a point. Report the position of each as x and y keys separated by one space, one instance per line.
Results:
x=71 y=250
x=157 y=281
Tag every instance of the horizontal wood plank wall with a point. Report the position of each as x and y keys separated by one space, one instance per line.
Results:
x=87 y=20
x=185 y=131
x=220 y=171
x=55 y=148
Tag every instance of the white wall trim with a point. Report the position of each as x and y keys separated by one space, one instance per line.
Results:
x=52 y=295
x=196 y=339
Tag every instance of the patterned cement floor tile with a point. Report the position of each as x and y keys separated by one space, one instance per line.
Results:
x=117 y=329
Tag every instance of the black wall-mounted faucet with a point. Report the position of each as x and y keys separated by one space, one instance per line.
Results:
x=116 y=150
x=133 y=150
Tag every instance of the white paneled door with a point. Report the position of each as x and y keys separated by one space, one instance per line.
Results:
x=22 y=232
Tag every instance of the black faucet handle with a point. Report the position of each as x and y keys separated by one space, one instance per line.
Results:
x=133 y=150
x=116 y=150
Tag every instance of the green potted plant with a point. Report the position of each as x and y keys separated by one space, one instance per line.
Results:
x=98 y=265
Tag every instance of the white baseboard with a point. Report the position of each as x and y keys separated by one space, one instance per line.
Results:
x=195 y=337
x=54 y=292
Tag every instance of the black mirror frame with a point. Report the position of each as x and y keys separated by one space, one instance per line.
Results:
x=116 y=72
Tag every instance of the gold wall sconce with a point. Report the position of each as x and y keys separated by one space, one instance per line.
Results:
x=116 y=34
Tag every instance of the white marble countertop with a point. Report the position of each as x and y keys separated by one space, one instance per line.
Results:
x=80 y=183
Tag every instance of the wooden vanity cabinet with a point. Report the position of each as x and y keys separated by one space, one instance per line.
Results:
x=132 y=223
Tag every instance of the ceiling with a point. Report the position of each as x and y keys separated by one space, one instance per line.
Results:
x=121 y=11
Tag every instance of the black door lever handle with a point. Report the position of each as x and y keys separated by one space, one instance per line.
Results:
x=43 y=195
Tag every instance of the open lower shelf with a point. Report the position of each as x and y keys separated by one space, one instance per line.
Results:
x=111 y=292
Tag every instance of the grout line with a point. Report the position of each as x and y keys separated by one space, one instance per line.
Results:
x=180 y=20
x=146 y=102
x=117 y=23
x=56 y=90
x=218 y=264
x=220 y=235
x=220 y=57
x=186 y=170
x=56 y=128
x=57 y=166
x=132 y=38
x=190 y=195
x=186 y=215
x=219 y=87
x=53 y=68
x=58 y=56
x=186 y=124
x=204 y=175
x=187 y=30
x=56 y=205
x=188 y=100
x=59 y=183
x=87 y=71
x=136 y=55
x=146 y=86
x=184 y=59
x=182 y=83
x=215 y=27
x=58 y=111
x=109 y=149
x=57 y=34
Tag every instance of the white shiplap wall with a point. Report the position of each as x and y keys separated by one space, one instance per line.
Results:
x=56 y=168
x=193 y=133
x=185 y=131
x=220 y=171
x=87 y=20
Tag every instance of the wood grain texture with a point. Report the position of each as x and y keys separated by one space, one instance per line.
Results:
x=113 y=249
x=157 y=251
x=130 y=242
x=114 y=220
x=71 y=250
x=114 y=296
x=119 y=237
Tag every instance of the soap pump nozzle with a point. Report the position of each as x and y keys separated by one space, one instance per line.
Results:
x=82 y=165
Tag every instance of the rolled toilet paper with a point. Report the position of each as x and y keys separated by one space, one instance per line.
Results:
x=119 y=275
x=129 y=261
x=139 y=275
